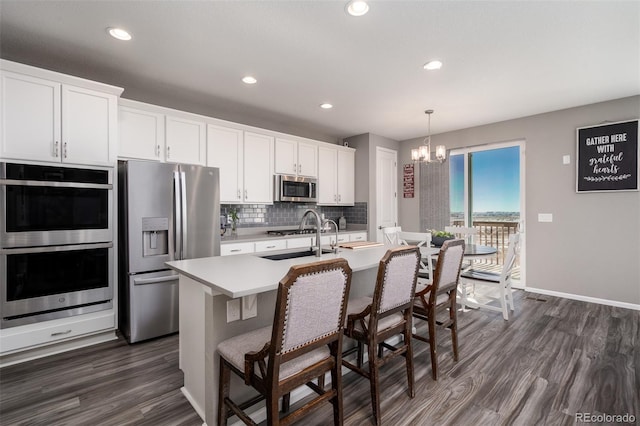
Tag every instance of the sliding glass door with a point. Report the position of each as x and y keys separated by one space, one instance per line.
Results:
x=487 y=193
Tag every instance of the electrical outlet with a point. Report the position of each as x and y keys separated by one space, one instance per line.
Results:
x=233 y=310
x=249 y=306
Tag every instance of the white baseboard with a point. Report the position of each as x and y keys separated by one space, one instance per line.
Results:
x=193 y=403
x=581 y=298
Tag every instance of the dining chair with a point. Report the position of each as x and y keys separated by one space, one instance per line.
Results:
x=390 y=235
x=372 y=320
x=468 y=234
x=304 y=343
x=502 y=281
x=440 y=296
x=420 y=239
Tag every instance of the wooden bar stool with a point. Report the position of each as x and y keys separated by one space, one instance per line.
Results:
x=304 y=343
x=370 y=321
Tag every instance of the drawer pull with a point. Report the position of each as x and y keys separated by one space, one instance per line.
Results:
x=60 y=333
x=235 y=250
x=271 y=246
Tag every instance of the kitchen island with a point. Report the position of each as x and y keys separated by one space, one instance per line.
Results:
x=206 y=285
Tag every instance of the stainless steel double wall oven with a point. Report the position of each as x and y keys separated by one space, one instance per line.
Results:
x=56 y=241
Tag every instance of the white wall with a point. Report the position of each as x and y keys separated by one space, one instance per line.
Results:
x=592 y=247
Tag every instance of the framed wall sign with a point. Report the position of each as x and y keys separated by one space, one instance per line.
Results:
x=408 y=181
x=607 y=157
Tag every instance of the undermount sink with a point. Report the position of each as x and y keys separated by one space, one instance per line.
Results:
x=295 y=254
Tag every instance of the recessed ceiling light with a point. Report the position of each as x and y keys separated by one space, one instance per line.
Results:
x=433 y=65
x=119 y=33
x=249 y=80
x=357 y=7
x=326 y=105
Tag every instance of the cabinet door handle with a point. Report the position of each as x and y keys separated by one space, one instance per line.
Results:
x=295 y=167
x=238 y=194
x=299 y=168
x=168 y=152
x=335 y=198
x=60 y=333
x=245 y=195
x=64 y=150
x=339 y=197
x=158 y=151
x=55 y=148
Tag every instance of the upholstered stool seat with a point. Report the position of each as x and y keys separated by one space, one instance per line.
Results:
x=358 y=305
x=233 y=350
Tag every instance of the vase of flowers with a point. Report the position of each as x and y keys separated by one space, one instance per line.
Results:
x=233 y=214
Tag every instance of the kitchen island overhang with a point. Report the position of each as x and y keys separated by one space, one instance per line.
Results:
x=205 y=286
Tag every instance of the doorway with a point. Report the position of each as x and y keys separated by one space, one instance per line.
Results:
x=487 y=192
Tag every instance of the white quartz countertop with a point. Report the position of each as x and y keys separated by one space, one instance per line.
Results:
x=246 y=274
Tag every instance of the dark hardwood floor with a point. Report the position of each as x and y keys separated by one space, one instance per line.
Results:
x=553 y=359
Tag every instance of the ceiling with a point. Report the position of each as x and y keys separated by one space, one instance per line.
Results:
x=502 y=59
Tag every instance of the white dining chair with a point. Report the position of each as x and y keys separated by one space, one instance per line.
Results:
x=502 y=281
x=420 y=239
x=390 y=235
x=468 y=234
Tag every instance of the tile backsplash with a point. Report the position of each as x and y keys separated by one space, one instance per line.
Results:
x=289 y=214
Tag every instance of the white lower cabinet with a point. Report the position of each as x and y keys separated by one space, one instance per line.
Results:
x=271 y=245
x=237 y=248
x=49 y=332
x=304 y=242
x=358 y=236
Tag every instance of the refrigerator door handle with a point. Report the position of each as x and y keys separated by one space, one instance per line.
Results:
x=183 y=202
x=177 y=214
x=142 y=281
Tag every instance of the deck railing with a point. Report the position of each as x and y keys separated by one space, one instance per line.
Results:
x=493 y=234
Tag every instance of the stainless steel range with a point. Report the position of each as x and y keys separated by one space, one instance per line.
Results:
x=293 y=231
x=56 y=242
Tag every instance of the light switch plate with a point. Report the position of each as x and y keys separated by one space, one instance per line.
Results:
x=249 y=306
x=566 y=159
x=233 y=310
x=545 y=217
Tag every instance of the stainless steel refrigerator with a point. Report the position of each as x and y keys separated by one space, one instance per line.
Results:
x=166 y=212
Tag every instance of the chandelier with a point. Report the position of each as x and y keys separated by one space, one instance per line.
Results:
x=422 y=154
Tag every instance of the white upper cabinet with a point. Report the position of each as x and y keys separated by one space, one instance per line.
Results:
x=150 y=132
x=245 y=163
x=30 y=118
x=327 y=174
x=346 y=177
x=141 y=134
x=295 y=158
x=336 y=177
x=258 y=168
x=89 y=126
x=185 y=140
x=44 y=119
x=225 y=149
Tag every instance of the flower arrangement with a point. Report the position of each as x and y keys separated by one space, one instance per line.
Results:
x=233 y=213
x=439 y=237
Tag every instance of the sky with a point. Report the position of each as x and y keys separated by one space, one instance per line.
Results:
x=495 y=177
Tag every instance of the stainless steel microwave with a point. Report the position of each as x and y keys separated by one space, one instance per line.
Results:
x=296 y=189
